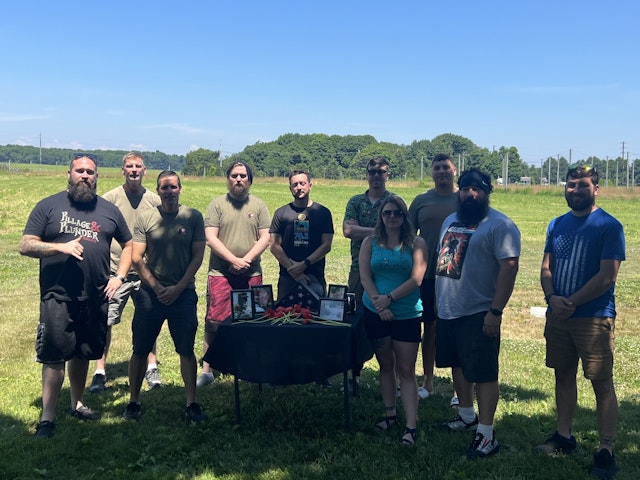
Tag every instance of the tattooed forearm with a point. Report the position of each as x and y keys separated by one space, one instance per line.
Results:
x=32 y=246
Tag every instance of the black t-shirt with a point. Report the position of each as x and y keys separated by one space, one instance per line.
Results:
x=301 y=230
x=57 y=219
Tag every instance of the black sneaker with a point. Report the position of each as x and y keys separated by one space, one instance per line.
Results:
x=84 y=413
x=153 y=378
x=556 y=443
x=482 y=447
x=194 y=413
x=98 y=384
x=604 y=465
x=45 y=429
x=132 y=412
x=459 y=425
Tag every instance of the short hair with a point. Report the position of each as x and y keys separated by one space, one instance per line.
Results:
x=78 y=155
x=132 y=154
x=378 y=160
x=165 y=174
x=240 y=163
x=300 y=172
x=441 y=157
x=578 y=170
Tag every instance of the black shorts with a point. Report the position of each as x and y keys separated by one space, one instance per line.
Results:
x=71 y=329
x=400 y=330
x=150 y=314
x=461 y=343
x=428 y=297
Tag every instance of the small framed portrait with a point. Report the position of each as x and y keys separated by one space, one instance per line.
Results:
x=337 y=291
x=241 y=304
x=262 y=298
x=332 y=309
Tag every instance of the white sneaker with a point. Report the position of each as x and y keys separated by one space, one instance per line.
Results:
x=204 y=379
x=423 y=393
x=454 y=401
x=482 y=447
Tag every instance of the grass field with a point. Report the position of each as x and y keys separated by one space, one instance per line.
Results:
x=296 y=432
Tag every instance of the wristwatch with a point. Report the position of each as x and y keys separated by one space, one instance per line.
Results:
x=496 y=312
x=307 y=262
x=390 y=297
x=119 y=277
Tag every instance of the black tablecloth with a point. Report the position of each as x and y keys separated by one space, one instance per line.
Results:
x=288 y=354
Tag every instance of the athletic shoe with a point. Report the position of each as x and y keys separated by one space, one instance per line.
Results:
x=45 y=429
x=556 y=443
x=98 y=384
x=423 y=393
x=194 y=413
x=132 y=411
x=459 y=425
x=84 y=413
x=153 y=378
x=454 y=401
x=482 y=447
x=204 y=379
x=604 y=465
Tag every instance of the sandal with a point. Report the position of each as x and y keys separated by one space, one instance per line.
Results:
x=387 y=423
x=409 y=437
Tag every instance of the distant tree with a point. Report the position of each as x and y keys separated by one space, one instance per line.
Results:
x=202 y=162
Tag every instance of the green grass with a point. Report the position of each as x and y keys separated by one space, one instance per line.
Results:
x=296 y=432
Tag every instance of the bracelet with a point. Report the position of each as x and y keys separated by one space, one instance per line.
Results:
x=390 y=297
x=119 y=277
x=548 y=296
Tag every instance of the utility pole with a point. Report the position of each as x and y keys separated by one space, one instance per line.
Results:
x=558 y=169
x=606 y=182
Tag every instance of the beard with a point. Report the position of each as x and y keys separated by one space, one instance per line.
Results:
x=580 y=203
x=471 y=212
x=238 y=190
x=82 y=192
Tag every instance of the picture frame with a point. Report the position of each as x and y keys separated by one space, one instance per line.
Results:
x=337 y=291
x=242 y=304
x=332 y=309
x=262 y=298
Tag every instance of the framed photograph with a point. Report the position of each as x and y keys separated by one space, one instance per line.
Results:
x=337 y=291
x=241 y=304
x=332 y=309
x=262 y=298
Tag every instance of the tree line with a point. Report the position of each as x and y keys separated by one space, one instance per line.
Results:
x=345 y=157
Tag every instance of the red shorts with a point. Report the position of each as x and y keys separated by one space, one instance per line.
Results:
x=219 y=294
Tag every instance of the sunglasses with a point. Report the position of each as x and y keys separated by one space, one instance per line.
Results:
x=373 y=172
x=88 y=155
x=580 y=169
x=392 y=213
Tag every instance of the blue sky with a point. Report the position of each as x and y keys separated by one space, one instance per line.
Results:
x=545 y=77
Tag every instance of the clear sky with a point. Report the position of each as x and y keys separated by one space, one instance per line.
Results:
x=545 y=76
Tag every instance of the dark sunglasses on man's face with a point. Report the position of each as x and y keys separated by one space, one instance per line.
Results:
x=88 y=155
x=373 y=172
x=393 y=213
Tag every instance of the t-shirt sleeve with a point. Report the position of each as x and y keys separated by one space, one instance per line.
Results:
x=350 y=212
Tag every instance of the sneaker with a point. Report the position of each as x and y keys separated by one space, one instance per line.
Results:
x=423 y=393
x=153 y=378
x=132 y=411
x=204 y=379
x=45 y=429
x=98 y=384
x=194 y=413
x=459 y=425
x=604 y=465
x=454 y=401
x=84 y=413
x=482 y=447
x=556 y=443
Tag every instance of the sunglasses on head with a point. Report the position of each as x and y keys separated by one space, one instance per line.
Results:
x=392 y=213
x=88 y=155
x=580 y=169
x=373 y=172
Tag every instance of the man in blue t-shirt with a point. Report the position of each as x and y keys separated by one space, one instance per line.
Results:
x=582 y=255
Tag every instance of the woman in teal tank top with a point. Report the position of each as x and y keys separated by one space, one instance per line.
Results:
x=393 y=262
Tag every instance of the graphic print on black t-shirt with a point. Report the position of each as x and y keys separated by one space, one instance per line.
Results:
x=453 y=250
x=301 y=231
